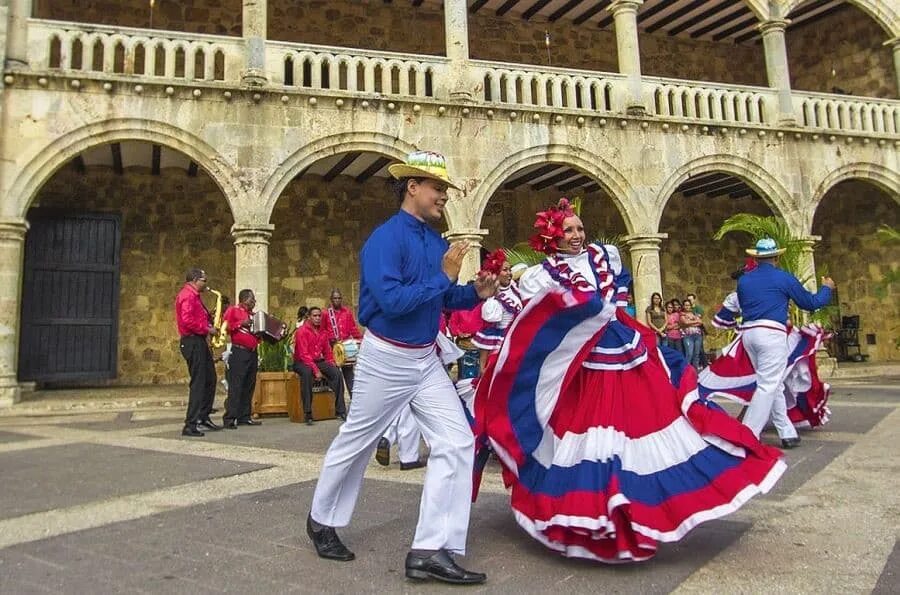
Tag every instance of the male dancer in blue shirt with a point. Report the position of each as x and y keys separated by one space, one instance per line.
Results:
x=764 y=293
x=408 y=275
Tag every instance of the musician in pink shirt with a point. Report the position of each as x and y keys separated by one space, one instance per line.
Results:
x=341 y=326
x=314 y=359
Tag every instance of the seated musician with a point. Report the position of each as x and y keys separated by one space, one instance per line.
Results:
x=314 y=359
x=341 y=326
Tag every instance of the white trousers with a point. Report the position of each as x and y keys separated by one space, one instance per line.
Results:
x=388 y=379
x=768 y=351
x=405 y=433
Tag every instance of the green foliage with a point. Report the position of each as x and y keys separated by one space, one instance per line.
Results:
x=524 y=253
x=888 y=235
x=276 y=356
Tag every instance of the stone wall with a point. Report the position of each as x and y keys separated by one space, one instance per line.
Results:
x=320 y=228
x=170 y=223
x=403 y=28
x=849 y=42
x=847 y=219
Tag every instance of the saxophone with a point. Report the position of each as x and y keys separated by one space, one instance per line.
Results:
x=221 y=337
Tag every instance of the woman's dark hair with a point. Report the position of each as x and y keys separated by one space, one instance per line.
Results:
x=737 y=274
x=661 y=303
x=302 y=312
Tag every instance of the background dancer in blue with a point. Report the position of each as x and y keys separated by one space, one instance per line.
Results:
x=763 y=294
x=408 y=275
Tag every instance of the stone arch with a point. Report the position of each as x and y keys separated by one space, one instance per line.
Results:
x=884 y=177
x=772 y=191
x=62 y=149
x=888 y=18
x=616 y=185
x=760 y=8
x=373 y=142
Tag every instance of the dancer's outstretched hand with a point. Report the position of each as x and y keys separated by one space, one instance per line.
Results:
x=486 y=284
x=828 y=282
x=453 y=259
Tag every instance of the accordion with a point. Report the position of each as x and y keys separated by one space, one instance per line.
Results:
x=267 y=327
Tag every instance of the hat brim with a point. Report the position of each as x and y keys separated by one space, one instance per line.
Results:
x=767 y=254
x=402 y=170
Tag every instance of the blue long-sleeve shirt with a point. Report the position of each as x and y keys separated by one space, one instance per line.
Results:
x=403 y=288
x=765 y=291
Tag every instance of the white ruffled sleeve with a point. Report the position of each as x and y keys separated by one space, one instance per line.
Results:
x=492 y=311
x=535 y=280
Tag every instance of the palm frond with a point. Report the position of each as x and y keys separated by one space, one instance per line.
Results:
x=758 y=227
x=524 y=253
x=888 y=235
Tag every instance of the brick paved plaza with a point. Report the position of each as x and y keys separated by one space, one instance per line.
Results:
x=117 y=502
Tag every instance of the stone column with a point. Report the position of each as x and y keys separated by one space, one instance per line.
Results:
x=645 y=269
x=806 y=267
x=17 y=33
x=625 y=14
x=254 y=24
x=895 y=46
x=12 y=250
x=456 y=36
x=779 y=74
x=472 y=263
x=251 y=261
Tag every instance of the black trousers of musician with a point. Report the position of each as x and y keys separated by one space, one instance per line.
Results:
x=242 y=367
x=202 y=370
x=347 y=371
x=332 y=374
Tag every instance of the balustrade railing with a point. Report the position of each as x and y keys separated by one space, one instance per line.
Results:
x=356 y=71
x=57 y=45
x=169 y=55
x=708 y=101
x=535 y=86
x=846 y=113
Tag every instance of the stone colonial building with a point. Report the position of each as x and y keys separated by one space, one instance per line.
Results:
x=252 y=137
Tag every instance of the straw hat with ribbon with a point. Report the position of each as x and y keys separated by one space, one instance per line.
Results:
x=765 y=248
x=423 y=164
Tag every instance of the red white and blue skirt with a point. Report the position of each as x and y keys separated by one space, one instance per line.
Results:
x=606 y=445
x=732 y=376
x=489 y=338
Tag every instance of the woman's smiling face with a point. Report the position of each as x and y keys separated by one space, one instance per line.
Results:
x=572 y=241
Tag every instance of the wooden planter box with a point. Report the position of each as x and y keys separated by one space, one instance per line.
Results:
x=274 y=390
x=279 y=392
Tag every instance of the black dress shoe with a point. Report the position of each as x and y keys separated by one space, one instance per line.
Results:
x=328 y=544
x=229 y=424
x=249 y=422
x=192 y=431
x=342 y=416
x=442 y=567
x=208 y=424
x=413 y=465
x=383 y=452
x=309 y=420
x=790 y=442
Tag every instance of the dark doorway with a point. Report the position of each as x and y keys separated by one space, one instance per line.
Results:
x=70 y=297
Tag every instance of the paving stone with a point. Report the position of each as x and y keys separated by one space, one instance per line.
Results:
x=61 y=476
x=804 y=462
x=889 y=581
x=7 y=437
x=858 y=420
x=276 y=432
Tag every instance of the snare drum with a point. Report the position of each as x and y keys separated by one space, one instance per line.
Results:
x=351 y=350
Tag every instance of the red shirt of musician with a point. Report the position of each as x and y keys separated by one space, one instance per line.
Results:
x=191 y=316
x=339 y=321
x=311 y=344
x=238 y=318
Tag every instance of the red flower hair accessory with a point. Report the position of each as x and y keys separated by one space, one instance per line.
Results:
x=549 y=224
x=494 y=262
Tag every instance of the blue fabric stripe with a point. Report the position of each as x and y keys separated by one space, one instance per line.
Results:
x=652 y=490
x=616 y=335
x=705 y=392
x=521 y=403
x=676 y=363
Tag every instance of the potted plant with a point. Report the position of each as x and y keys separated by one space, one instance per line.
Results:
x=277 y=386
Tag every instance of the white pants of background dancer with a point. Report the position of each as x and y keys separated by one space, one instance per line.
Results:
x=388 y=379
x=767 y=347
x=405 y=433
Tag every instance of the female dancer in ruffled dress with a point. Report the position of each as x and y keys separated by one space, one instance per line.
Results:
x=499 y=311
x=731 y=376
x=605 y=443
